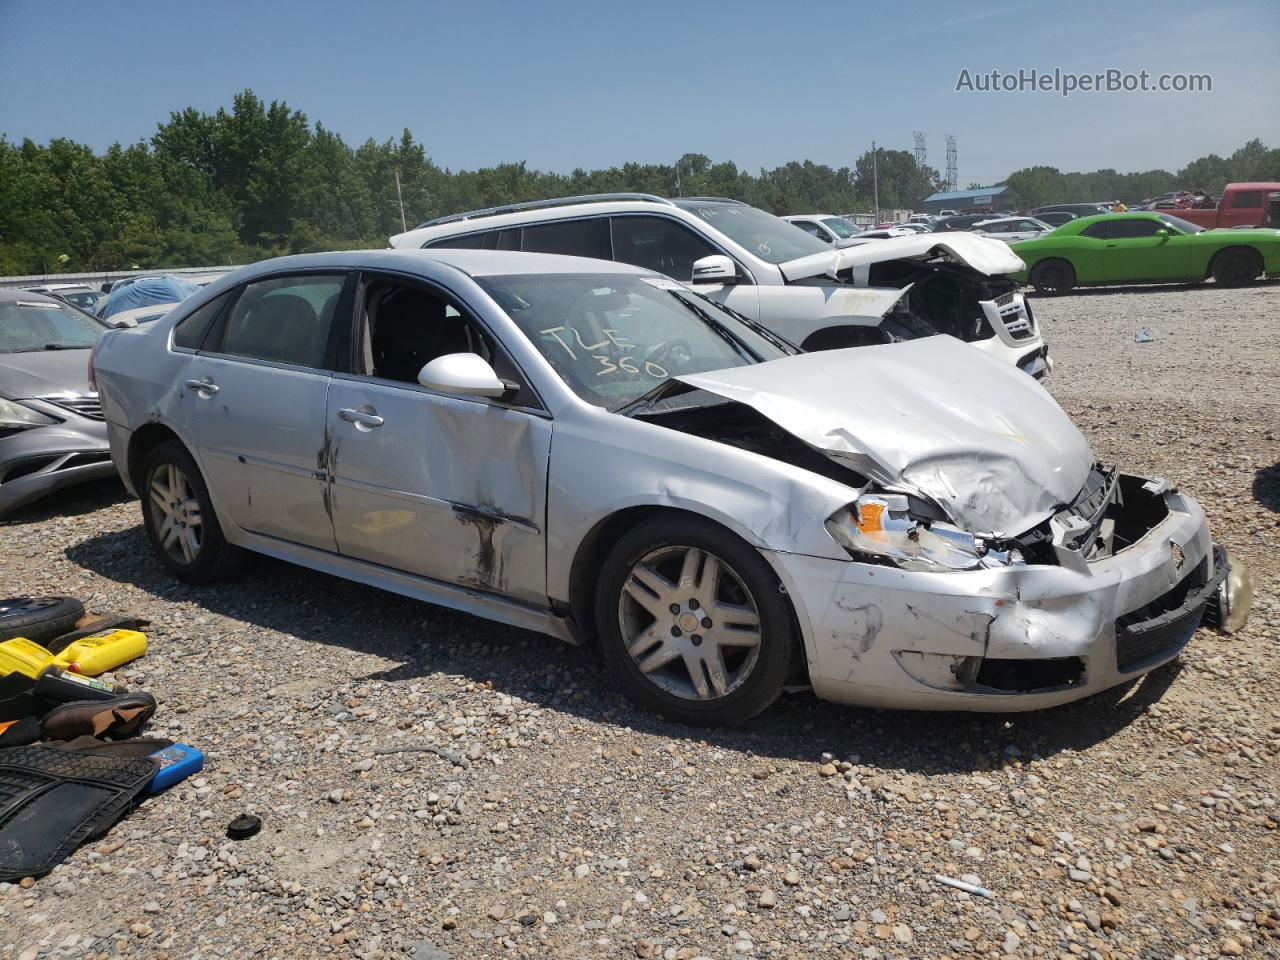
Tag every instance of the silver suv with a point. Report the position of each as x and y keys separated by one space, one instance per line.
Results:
x=772 y=272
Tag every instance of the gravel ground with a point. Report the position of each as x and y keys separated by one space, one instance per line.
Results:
x=534 y=813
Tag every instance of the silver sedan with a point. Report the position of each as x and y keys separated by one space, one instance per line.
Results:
x=593 y=451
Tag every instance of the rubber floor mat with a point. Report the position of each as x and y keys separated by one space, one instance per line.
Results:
x=53 y=800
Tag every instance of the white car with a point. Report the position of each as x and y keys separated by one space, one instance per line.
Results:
x=766 y=269
x=914 y=226
x=1012 y=229
x=834 y=230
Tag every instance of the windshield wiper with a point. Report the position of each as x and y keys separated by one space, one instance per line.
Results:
x=64 y=346
x=723 y=332
x=645 y=399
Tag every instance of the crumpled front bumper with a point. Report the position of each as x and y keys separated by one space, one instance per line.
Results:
x=1016 y=638
x=38 y=461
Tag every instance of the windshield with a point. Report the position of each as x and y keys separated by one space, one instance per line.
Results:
x=770 y=238
x=1186 y=226
x=841 y=227
x=614 y=337
x=84 y=299
x=27 y=325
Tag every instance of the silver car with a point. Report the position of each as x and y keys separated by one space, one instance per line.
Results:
x=51 y=428
x=592 y=450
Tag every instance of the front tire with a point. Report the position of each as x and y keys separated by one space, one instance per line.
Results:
x=693 y=623
x=178 y=514
x=1236 y=266
x=1052 y=277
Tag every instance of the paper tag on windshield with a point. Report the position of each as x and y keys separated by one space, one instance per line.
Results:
x=664 y=283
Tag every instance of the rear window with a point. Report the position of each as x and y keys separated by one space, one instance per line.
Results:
x=36 y=324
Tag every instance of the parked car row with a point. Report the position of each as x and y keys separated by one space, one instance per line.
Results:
x=592 y=449
x=817 y=295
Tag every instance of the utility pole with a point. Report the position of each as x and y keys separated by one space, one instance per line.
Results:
x=400 y=196
x=952 y=173
x=678 y=193
x=875 y=179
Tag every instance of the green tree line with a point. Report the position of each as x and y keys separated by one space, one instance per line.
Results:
x=1040 y=185
x=259 y=180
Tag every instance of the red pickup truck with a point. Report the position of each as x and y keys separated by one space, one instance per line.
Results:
x=1242 y=205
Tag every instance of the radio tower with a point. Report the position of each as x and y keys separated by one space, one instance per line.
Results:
x=952 y=174
x=920 y=151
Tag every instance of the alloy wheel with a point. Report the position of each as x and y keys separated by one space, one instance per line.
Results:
x=176 y=512
x=689 y=623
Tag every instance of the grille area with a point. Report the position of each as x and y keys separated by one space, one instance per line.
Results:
x=1161 y=628
x=85 y=404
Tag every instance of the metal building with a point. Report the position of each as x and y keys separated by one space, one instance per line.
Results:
x=982 y=200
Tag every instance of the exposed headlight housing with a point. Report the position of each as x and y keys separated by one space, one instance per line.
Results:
x=880 y=525
x=15 y=416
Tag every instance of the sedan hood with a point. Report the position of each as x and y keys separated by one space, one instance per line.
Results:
x=41 y=372
x=981 y=253
x=934 y=417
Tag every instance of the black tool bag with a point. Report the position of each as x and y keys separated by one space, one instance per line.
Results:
x=53 y=800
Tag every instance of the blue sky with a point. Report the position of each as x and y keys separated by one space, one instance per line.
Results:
x=562 y=85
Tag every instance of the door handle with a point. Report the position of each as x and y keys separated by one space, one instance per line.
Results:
x=204 y=387
x=360 y=418
x=1110 y=244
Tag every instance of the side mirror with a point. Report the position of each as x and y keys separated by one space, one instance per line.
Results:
x=716 y=268
x=1163 y=234
x=466 y=374
x=122 y=324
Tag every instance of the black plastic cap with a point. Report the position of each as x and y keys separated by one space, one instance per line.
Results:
x=244 y=826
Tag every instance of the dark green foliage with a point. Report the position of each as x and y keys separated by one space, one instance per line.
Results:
x=260 y=180
x=1036 y=186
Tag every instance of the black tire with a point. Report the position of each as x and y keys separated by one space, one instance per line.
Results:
x=1052 y=277
x=761 y=670
x=38 y=618
x=211 y=558
x=1236 y=266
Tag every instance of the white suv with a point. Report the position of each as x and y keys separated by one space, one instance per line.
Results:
x=771 y=272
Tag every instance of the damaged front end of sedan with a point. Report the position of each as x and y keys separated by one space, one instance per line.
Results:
x=993 y=564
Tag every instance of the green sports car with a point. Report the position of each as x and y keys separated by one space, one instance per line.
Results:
x=1119 y=248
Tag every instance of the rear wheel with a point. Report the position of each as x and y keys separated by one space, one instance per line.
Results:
x=692 y=622
x=1052 y=277
x=1236 y=266
x=179 y=517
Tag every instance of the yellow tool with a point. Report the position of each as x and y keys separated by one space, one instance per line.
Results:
x=91 y=655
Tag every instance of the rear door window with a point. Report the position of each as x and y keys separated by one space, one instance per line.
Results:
x=573 y=238
x=191 y=329
x=284 y=320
